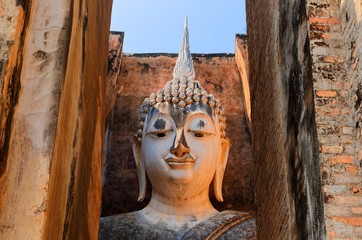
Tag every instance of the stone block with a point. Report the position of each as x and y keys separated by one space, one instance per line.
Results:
x=335 y=189
x=345 y=177
x=347 y=200
x=337 y=210
x=342 y=230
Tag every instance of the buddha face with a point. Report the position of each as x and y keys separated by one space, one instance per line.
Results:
x=182 y=149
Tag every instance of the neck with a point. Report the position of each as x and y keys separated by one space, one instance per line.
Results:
x=181 y=206
x=179 y=212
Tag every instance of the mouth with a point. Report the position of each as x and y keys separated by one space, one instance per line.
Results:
x=185 y=162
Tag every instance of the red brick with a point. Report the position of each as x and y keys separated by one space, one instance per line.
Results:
x=326 y=93
x=333 y=21
x=341 y=159
x=328 y=59
x=332 y=59
x=332 y=234
x=352 y=169
x=353 y=221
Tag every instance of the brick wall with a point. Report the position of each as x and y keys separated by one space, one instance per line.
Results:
x=335 y=34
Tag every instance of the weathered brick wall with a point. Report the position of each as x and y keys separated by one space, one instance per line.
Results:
x=142 y=74
x=288 y=195
x=335 y=33
x=351 y=17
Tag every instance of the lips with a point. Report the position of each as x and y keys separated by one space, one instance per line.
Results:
x=184 y=162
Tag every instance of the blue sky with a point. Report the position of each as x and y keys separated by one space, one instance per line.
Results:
x=156 y=26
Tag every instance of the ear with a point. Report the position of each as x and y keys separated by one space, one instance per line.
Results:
x=141 y=170
x=220 y=169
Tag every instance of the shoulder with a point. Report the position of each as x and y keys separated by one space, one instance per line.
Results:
x=130 y=226
x=240 y=225
x=225 y=225
x=111 y=226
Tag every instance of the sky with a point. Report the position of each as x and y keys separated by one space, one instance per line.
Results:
x=156 y=26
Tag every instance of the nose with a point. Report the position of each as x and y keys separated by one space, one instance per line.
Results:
x=180 y=150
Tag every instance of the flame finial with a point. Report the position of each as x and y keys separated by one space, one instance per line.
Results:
x=184 y=66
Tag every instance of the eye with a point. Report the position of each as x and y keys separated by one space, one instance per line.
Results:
x=199 y=135
x=161 y=134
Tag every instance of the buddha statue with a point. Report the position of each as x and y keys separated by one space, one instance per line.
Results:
x=182 y=147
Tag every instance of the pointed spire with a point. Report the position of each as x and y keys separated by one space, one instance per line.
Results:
x=184 y=66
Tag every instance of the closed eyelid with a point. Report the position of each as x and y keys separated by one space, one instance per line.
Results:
x=156 y=131
x=159 y=131
x=201 y=131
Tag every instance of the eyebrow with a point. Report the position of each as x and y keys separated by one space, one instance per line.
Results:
x=160 y=124
x=201 y=124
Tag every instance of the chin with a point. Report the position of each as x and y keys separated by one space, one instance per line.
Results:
x=181 y=176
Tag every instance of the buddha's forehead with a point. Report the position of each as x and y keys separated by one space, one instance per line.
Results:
x=180 y=115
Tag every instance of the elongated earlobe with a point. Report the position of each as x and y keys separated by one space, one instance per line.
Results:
x=220 y=169
x=141 y=170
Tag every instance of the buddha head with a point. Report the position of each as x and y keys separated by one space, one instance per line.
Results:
x=181 y=143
